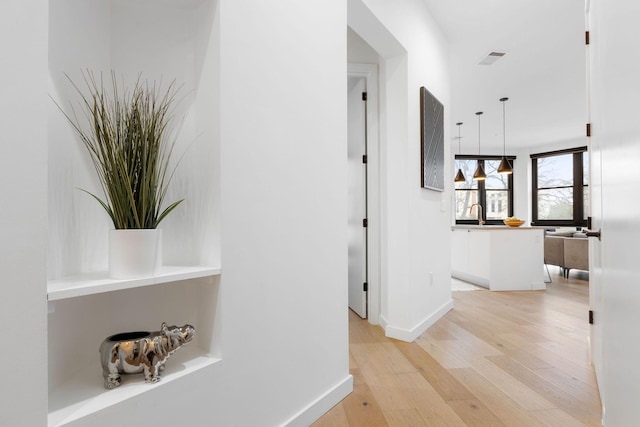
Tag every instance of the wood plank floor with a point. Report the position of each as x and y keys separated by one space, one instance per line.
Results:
x=497 y=359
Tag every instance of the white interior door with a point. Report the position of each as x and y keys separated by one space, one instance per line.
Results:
x=615 y=149
x=357 y=208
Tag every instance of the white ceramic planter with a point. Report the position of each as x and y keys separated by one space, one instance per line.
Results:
x=134 y=253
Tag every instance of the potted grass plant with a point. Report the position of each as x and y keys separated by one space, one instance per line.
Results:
x=128 y=137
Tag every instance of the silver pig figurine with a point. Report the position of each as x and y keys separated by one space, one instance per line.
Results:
x=135 y=352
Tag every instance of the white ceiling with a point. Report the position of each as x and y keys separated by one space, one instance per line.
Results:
x=543 y=73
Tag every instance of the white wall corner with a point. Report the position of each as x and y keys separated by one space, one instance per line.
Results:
x=383 y=322
x=409 y=335
x=322 y=405
x=538 y=286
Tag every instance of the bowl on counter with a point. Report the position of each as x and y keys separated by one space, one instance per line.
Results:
x=513 y=222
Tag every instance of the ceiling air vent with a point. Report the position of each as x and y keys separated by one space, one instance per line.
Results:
x=491 y=57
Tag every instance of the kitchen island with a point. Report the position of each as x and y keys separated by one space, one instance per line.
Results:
x=499 y=258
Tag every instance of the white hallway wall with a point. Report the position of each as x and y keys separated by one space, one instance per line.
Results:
x=284 y=212
x=282 y=207
x=415 y=222
x=23 y=218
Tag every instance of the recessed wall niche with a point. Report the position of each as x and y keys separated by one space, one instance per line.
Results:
x=160 y=40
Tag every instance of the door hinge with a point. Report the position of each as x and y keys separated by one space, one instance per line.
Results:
x=365 y=222
x=364 y=96
x=365 y=286
x=586 y=38
x=591 y=317
x=588 y=129
x=364 y=158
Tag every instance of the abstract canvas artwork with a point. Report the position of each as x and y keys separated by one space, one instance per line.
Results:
x=432 y=141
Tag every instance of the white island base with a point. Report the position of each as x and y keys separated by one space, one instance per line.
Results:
x=499 y=258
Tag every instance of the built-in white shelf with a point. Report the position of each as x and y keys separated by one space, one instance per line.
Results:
x=85 y=394
x=86 y=307
x=96 y=283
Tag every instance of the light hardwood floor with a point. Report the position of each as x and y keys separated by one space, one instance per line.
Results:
x=497 y=359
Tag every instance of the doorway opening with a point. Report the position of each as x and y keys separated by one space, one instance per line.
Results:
x=357 y=194
x=364 y=191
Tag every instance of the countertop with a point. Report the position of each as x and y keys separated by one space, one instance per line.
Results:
x=493 y=227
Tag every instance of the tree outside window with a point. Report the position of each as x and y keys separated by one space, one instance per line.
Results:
x=495 y=194
x=560 y=187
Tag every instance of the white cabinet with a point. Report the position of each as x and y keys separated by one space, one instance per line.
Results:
x=459 y=251
x=499 y=258
x=469 y=257
x=479 y=255
x=162 y=41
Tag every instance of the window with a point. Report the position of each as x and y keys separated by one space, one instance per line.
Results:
x=495 y=194
x=560 y=187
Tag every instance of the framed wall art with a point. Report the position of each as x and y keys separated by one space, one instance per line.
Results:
x=431 y=141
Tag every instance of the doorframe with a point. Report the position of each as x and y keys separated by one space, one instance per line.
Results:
x=370 y=73
x=597 y=309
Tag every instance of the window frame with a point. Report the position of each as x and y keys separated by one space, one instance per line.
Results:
x=482 y=191
x=578 y=189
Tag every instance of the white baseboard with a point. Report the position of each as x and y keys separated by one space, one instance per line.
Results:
x=321 y=405
x=410 y=335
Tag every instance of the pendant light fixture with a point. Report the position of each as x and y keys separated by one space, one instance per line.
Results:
x=459 y=176
x=505 y=166
x=479 y=174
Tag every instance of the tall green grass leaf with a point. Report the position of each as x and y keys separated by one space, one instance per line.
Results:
x=127 y=135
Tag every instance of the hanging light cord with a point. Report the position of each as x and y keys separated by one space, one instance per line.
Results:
x=504 y=127
x=479 y=113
